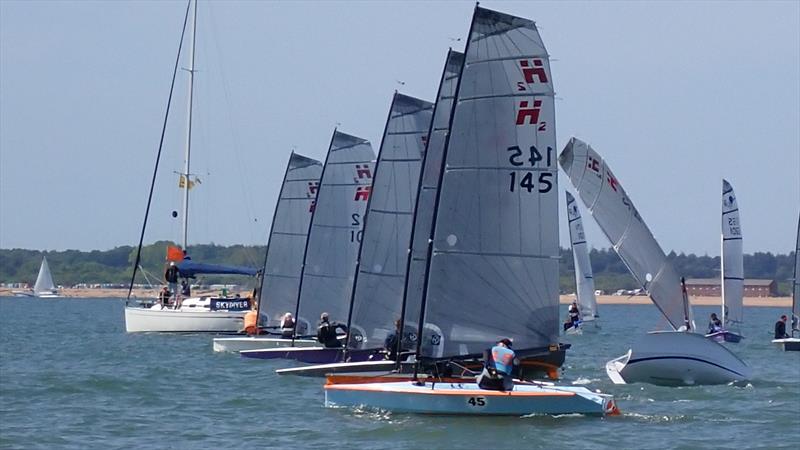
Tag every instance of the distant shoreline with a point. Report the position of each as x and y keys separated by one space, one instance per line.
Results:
x=774 y=302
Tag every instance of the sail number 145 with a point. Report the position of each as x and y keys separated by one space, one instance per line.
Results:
x=526 y=180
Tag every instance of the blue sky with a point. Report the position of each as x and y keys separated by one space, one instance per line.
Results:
x=675 y=96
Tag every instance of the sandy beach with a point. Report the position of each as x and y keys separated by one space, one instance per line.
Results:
x=779 y=302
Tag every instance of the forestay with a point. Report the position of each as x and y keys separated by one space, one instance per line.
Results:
x=426 y=194
x=494 y=268
x=732 y=260
x=335 y=231
x=584 y=280
x=612 y=209
x=283 y=261
x=378 y=292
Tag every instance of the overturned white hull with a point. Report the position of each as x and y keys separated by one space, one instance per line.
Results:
x=788 y=344
x=675 y=358
x=469 y=399
x=244 y=343
x=194 y=316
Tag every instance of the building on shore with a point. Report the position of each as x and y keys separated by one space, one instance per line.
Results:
x=710 y=287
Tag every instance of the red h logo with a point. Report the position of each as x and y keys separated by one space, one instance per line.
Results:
x=363 y=171
x=530 y=113
x=362 y=193
x=536 y=70
x=313 y=187
x=611 y=181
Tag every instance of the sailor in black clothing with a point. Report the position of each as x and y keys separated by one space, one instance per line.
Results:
x=780 y=328
x=326 y=332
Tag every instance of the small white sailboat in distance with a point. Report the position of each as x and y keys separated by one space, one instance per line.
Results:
x=44 y=287
x=584 y=280
x=732 y=271
x=669 y=358
x=793 y=343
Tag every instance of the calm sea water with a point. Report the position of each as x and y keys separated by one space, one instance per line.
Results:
x=70 y=377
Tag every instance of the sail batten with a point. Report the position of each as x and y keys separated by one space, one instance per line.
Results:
x=287 y=239
x=335 y=231
x=378 y=294
x=612 y=209
x=494 y=267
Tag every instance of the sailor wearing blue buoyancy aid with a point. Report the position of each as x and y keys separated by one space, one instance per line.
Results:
x=496 y=374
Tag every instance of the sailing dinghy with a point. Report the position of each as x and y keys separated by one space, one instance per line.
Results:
x=216 y=314
x=672 y=358
x=44 y=287
x=584 y=280
x=492 y=269
x=284 y=258
x=732 y=270
x=331 y=250
x=793 y=343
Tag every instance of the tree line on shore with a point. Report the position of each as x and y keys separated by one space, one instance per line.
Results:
x=71 y=267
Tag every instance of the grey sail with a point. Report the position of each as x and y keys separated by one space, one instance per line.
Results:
x=494 y=266
x=335 y=232
x=796 y=283
x=283 y=262
x=44 y=281
x=731 y=260
x=378 y=292
x=584 y=280
x=426 y=194
x=612 y=209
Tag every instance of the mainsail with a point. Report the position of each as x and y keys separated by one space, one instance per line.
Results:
x=335 y=231
x=44 y=281
x=494 y=267
x=602 y=194
x=283 y=261
x=378 y=292
x=731 y=260
x=580 y=256
x=428 y=187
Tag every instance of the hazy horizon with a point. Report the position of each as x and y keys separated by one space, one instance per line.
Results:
x=675 y=96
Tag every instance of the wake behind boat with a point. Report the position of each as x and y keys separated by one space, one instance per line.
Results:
x=695 y=361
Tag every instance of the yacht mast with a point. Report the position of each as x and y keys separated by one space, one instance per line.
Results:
x=186 y=159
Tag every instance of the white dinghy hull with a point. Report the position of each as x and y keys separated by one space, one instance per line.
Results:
x=677 y=358
x=244 y=343
x=182 y=321
x=469 y=399
x=788 y=344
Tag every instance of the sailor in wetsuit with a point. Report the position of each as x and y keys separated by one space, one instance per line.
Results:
x=326 y=332
x=499 y=362
x=714 y=324
x=287 y=326
x=780 y=328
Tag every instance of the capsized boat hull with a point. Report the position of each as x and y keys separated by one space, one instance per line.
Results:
x=676 y=358
x=469 y=399
x=238 y=344
x=725 y=336
x=788 y=344
x=182 y=321
x=310 y=355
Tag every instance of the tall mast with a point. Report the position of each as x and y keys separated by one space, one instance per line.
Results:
x=186 y=159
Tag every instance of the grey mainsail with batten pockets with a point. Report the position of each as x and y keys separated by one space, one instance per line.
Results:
x=584 y=281
x=612 y=209
x=336 y=226
x=494 y=267
x=378 y=292
x=732 y=259
x=283 y=262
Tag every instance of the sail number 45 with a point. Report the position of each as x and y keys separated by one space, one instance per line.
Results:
x=525 y=180
x=477 y=401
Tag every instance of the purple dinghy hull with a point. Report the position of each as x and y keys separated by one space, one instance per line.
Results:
x=314 y=355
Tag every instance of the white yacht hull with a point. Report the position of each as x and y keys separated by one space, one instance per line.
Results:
x=676 y=358
x=469 y=399
x=182 y=320
x=788 y=344
x=244 y=343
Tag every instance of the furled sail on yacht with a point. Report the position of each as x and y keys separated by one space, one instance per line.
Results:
x=378 y=292
x=335 y=232
x=584 y=281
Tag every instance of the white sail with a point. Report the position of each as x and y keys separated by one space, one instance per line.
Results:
x=44 y=281
x=796 y=283
x=602 y=194
x=283 y=262
x=494 y=266
x=378 y=292
x=335 y=232
x=731 y=260
x=584 y=281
